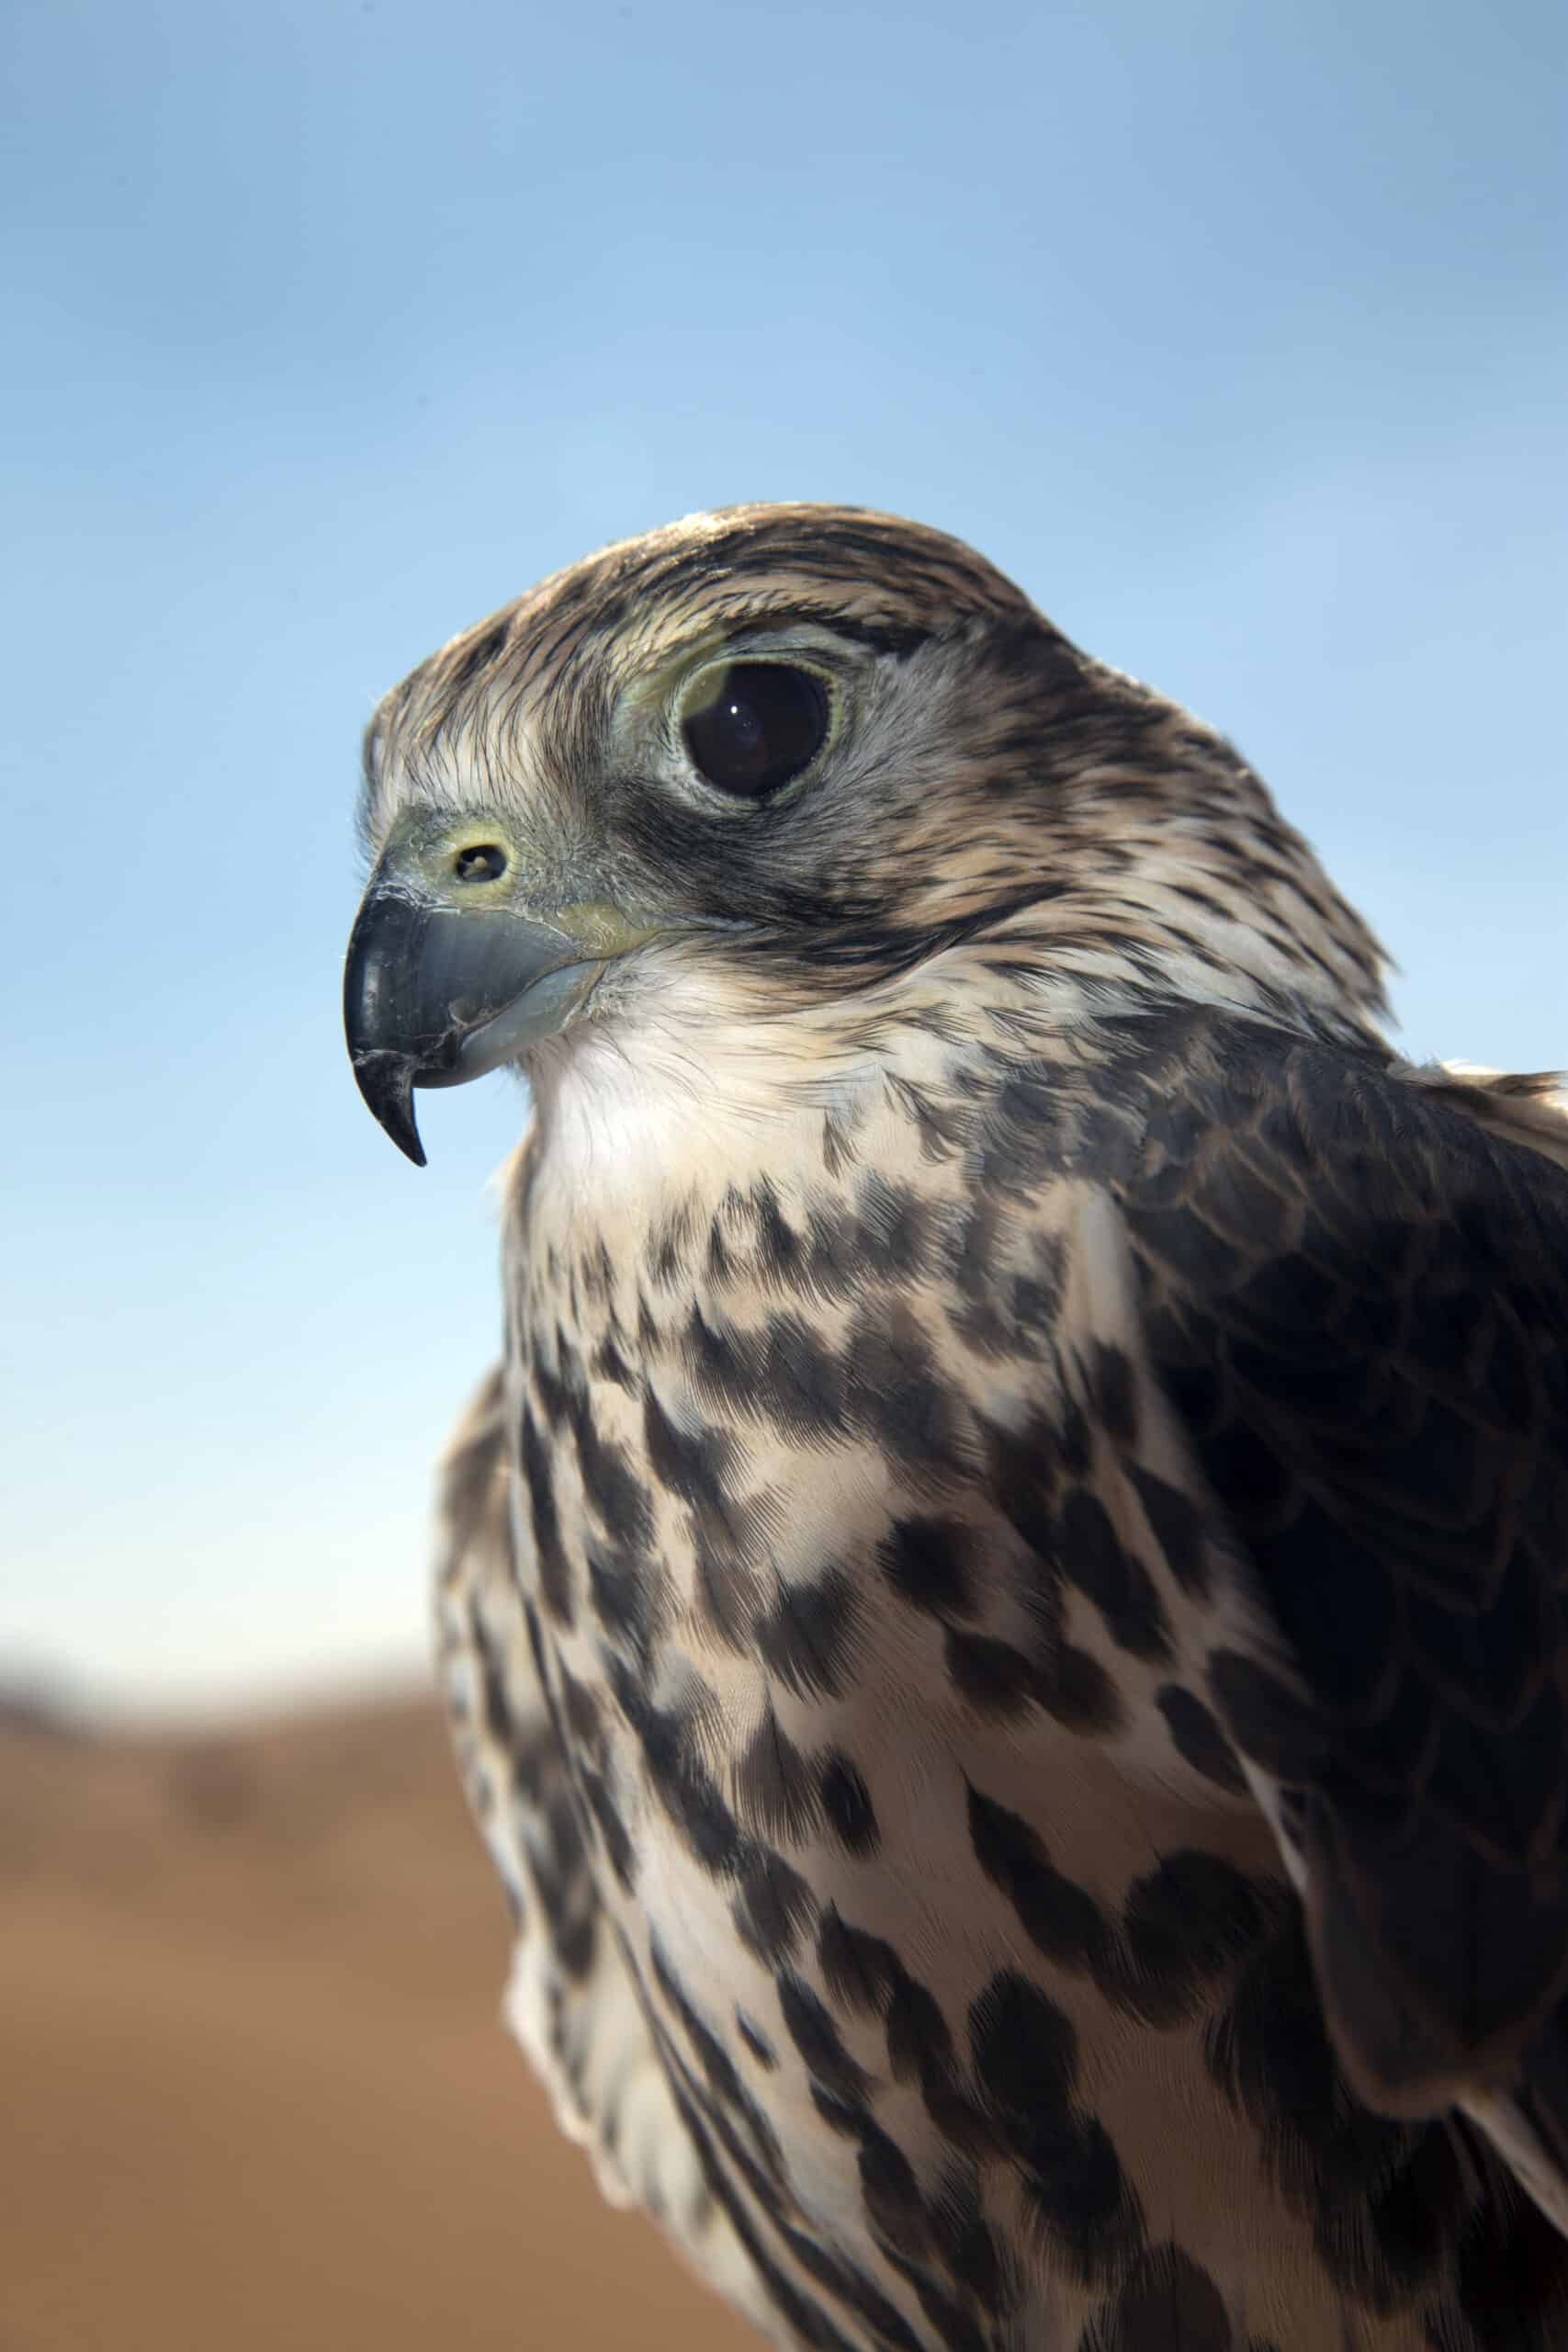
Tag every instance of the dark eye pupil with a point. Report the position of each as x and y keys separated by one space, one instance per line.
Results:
x=763 y=725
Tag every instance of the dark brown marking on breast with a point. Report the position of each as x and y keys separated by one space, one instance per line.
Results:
x=728 y=1594
x=1002 y=1309
x=596 y=1272
x=611 y=1489
x=1106 y=1573
x=859 y=1969
x=941 y=1126
x=1024 y=2053
x=830 y=1266
x=495 y=1707
x=555 y=1569
x=1177 y=1527
x=669 y=1249
x=620 y=1590
x=811 y=2028
x=580 y=1713
x=997 y=1679
x=771 y=1908
x=548 y=1389
x=619 y=1852
x=855 y=2292
x=1166 y=2304
x=678 y=1772
x=1062 y=1918
x=690 y=1463
x=778 y=1243
x=921 y=2050
x=1024 y=1132
x=891 y=2194
x=1182 y=1925
x=718 y=1258
x=756 y=2040
x=994 y=1677
x=1198 y=1739
x=610 y=1364
x=838 y=1146
x=729 y=2100
x=966 y=2243
x=846 y=1804
x=785 y=1375
x=777 y=1788
x=926 y=1561
x=1114 y=1389
x=558 y=1867
x=894 y=1230
x=808 y=1637
x=1186 y=1923
x=956 y=2331
x=1022 y=1476
x=897 y=1396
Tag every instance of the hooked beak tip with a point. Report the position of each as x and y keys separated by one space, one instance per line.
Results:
x=385 y=1080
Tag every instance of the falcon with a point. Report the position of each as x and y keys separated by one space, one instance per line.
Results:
x=1003 y=1607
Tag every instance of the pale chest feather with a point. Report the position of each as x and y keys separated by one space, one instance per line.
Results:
x=869 y=1597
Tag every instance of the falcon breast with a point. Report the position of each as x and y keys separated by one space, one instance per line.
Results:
x=1002 y=1608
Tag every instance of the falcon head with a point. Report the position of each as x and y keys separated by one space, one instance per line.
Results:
x=789 y=773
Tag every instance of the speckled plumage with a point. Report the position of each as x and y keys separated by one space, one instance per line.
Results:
x=1003 y=1608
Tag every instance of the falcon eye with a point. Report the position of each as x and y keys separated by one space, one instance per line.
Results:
x=762 y=724
x=485 y=862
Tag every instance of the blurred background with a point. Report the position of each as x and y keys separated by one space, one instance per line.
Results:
x=1237 y=333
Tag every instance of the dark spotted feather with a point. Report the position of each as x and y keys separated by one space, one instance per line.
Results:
x=1357 y=1296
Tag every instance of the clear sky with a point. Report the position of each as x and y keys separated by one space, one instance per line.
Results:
x=1237 y=333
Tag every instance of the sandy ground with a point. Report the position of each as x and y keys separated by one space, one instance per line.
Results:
x=253 y=2087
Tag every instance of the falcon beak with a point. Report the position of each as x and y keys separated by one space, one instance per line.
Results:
x=449 y=976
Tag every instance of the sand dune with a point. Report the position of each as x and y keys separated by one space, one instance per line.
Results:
x=254 y=2092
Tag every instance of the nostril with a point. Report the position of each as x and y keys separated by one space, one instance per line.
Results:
x=482 y=862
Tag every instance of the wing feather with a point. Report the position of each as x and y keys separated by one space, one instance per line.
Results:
x=1355 y=1280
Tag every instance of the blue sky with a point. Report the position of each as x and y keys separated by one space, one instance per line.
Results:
x=1237 y=333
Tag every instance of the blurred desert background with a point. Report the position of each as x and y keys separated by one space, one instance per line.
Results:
x=255 y=2089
